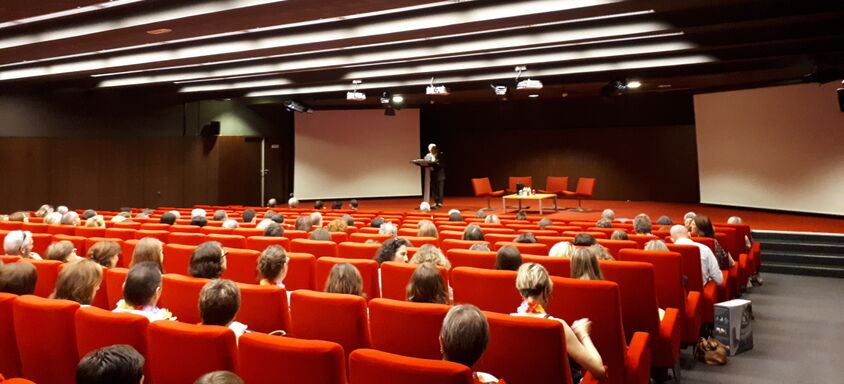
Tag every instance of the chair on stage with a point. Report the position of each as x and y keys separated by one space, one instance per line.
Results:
x=585 y=188
x=483 y=188
x=556 y=185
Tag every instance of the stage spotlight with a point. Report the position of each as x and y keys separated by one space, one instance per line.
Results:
x=437 y=90
x=398 y=99
x=391 y=103
x=297 y=106
x=634 y=84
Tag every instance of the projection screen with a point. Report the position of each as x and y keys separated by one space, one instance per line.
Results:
x=356 y=154
x=775 y=148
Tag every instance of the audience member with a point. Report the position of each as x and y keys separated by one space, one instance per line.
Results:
x=521 y=215
x=431 y=254
x=303 y=223
x=427 y=229
x=454 y=215
x=508 y=258
x=426 y=285
x=119 y=363
x=89 y=213
x=562 y=249
x=79 y=281
x=525 y=238
x=141 y=292
x=23 y=216
x=168 y=218
x=63 y=251
x=248 y=216
x=473 y=232
x=105 y=253
x=18 y=278
x=376 y=222
x=424 y=207
x=344 y=278
x=349 y=220
x=274 y=230
x=220 y=215
x=492 y=219
x=62 y=209
x=262 y=225
x=601 y=252
x=337 y=225
x=208 y=261
x=293 y=202
x=479 y=247
x=53 y=218
x=619 y=235
x=656 y=245
x=480 y=214
x=585 y=240
x=219 y=377
x=701 y=226
x=71 y=218
x=688 y=217
x=608 y=214
x=584 y=265
x=353 y=204
x=664 y=220
x=44 y=210
x=388 y=229
x=708 y=263
x=272 y=202
x=394 y=249
x=320 y=234
x=148 y=249
x=199 y=221
x=19 y=243
x=95 y=222
x=219 y=302
x=337 y=204
x=642 y=224
x=319 y=204
x=316 y=219
x=273 y=266
x=278 y=218
x=604 y=223
x=230 y=223
x=120 y=219
x=545 y=222
x=463 y=338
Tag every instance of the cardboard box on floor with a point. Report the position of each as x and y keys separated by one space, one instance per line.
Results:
x=732 y=325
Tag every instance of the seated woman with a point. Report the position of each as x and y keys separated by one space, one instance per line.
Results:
x=272 y=266
x=95 y=222
x=473 y=232
x=508 y=258
x=320 y=234
x=394 y=249
x=19 y=243
x=18 y=278
x=527 y=238
x=584 y=265
x=427 y=229
x=148 y=249
x=562 y=249
x=337 y=225
x=426 y=285
x=208 y=261
x=701 y=226
x=463 y=338
x=432 y=254
x=345 y=278
x=601 y=252
x=63 y=251
x=656 y=245
x=141 y=292
x=619 y=235
x=79 y=281
x=303 y=223
x=534 y=284
x=105 y=253
x=219 y=302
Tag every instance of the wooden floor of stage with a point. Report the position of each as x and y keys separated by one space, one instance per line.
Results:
x=629 y=209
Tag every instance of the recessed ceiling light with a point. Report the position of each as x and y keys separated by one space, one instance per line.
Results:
x=159 y=31
x=533 y=96
x=634 y=84
x=664 y=86
x=398 y=98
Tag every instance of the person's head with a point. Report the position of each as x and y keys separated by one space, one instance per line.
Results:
x=20 y=216
x=278 y=218
x=248 y=215
x=492 y=219
x=479 y=247
x=79 y=281
x=200 y=221
x=272 y=264
x=604 y=223
x=118 y=218
x=427 y=229
x=734 y=220
x=105 y=253
x=321 y=234
x=262 y=225
x=584 y=239
x=62 y=209
x=63 y=251
x=521 y=215
x=219 y=377
x=656 y=245
x=394 y=249
x=454 y=215
x=619 y=235
x=534 y=282
x=219 y=301
x=509 y=258
x=701 y=226
x=608 y=214
x=584 y=265
x=527 y=238
x=426 y=285
x=44 y=210
x=545 y=222
x=95 y=222
x=601 y=252
x=424 y=207
x=562 y=249
x=376 y=222
x=319 y=204
x=316 y=219
x=337 y=225
x=464 y=335
x=220 y=215
x=433 y=149
x=119 y=363
x=293 y=202
x=344 y=278
x=272 y=202
x=208 y=260
x=89 y=213
x=143 y=285
x=388 y=228
x=337 y=204
x=688 y=217
x=473 y=232
x=18 y=278
x=53 y=218
x=429 y=253
x=149 y=249
x=18 y=243
x=664 y=220
x=349 y=220
x=168 y=218
x=303 y=223
x=679 y=232
x=353 y=203
x=480 y=214
x=642 y=224
x=274 y=230
x=71 y=218
x=230 y=223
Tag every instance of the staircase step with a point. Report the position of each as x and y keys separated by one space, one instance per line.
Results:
x=800 y=269
x=800 y=257
x=780 y=245
x=813 y=237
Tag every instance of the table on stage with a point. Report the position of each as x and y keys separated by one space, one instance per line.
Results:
x=537 y=197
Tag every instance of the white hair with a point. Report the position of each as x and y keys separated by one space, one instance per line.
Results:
x=293 y=202
x=734 y=220
x=53 y=218
x=118 y=219
x=424 y=207
x=230 y=223
x=176 y=213
x=264 y=224
x=17 y=240
x=70 y=218
x=316 y=219
x=431 y=146
x=608 y=214
x=62 y=209
x=197 y=212
x=388 y=229
x=450 y=211
x=689 y=215
x=562 y=249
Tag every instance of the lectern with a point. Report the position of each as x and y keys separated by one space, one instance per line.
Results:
x=426 y=187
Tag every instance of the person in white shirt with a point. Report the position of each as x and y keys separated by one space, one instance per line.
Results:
x=708 y=263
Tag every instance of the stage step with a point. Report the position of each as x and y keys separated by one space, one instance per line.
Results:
x=802 y=253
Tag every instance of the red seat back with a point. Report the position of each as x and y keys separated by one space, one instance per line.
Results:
x=260 y=243
x=668 y=274
x=418 y=241
x=42 y=228
x=300 y=273
x=638 y=295
x=89 y=232
x=120 y=233
x=48 y=272
x=186 y=238
x=585 y=186
x=499 y=237
x=177 y=258
x=555 y=184
x=389 y=319
x=155 y=227
x=396 y=275
x=363 y=237
x=228 y=241
x=467 y=258
x=613 y=246
x=60 y=229
x=263 y=308
x=10 y=364
x=550 y=241
x=557 y=266
x=691 y=264
x=127 y=250
x=158 y=234
x=489 y=290
x=136 y=224
x=201 y=349
x=447 y=244
x=180 y=295
x=368 y=270
x=641 y=240
x=242 y=265
x=97 y=328
x=265 y=359
x=318 y=248
x=78 y=242
x=352 y=250
x=529 y=248
x=335 y=317
x=246 y=232
x=113 y=280
x=368 y=366
x=209 y=230
x=179 y=228
x=44 y=331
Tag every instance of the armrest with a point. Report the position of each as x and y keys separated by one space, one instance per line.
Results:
x=669 y=328
x=665 y=345
x=744 y=274
x=637 y=360
x=693 y=316
x=709 y=297
x=724 y=287
x=589 y=379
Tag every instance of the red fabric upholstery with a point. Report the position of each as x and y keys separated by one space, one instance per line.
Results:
x=483 y=188
x=113 y=281
x=575 y=299
x=350 y=250
x=78 y=242
x=300 y=273
x=260 y=243
x=368 y=270
x=550 y=241
x=89 y=232
x=48 y=272
x=40 y=227
x=265 y=359
x=59 y=229
x=40 y=242
x=615 y=245
x=185 y=238
x=209 y=230
x=529 y=248
x=557 y=266
x=489 y=290
x=242 y=266
x=120 y=233
x=596 y=235
x=155 y=227
x=263 y=308
x=201 y=349
x=97 y=328
x=418 y=241
x=44 y=332
x=539 y=232
x=124 y=225
x=396 y=275
x=127 y=250
x=246 y=232
x=180 y=294
x=158 y=234
x=447 y=244
x=499 y=237
x=639 y=310
x=525 y=350
x=228 y=241
x=450 y=234
x=339 y=237
x=527 y=181
x=177 y=228
x=11 y=225
x=294 y=234
x=467 y=258
x=363 y=237
x=9 y=259
x=368 y=366
x=89 y=242
x=641 y=240
x=555 y=185
x=177 y=258
x=500 y=231
x=10 y=364
x=318 y=248
x=389 y=321
x=335 y=317
x=585 y=188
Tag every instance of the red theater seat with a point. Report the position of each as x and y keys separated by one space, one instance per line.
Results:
x=44 y=331
x=37 y=227
x=186 y=238
x=201 y=349
x=642 y=240
x=10 y=363
x=585 y=188
x=89 y=232
x=265 y=359
x=180 y=295
x=368 y=366
x=528 y=248
x=120 y=233
x=447 y=244
x=78 y=242
x=59 y=229
x=527 y=181
x=177 y=258
x=263 y=308
x=557 y=266
x=97 y=328
x=613 y=246
x=113 y=280
x=127 y=249
x=363 y=237
x=318 y=248
x=551 y=241
x=177 y=228
x=228 y=241
x=467 y=258
x=389 y=320
x=209 y=230
x=489 y=290
x=242 y=265
x=334 y=317
x=368 y=270
x=418 y=241
x=351 y=250
x=694 y=279
x=155 y=227
x=161 y=235
x=260 y=243
x=396 y=275
x=246 y=232
x=300 y=273
x=48 y=272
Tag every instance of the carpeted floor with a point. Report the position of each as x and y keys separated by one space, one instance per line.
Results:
x=798 y=335
x=629 y=209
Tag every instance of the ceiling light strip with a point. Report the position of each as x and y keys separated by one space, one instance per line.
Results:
x=67 y=12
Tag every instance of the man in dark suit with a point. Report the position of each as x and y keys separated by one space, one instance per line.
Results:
x=437 y=174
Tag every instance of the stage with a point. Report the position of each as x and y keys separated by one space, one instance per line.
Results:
x=629 y=209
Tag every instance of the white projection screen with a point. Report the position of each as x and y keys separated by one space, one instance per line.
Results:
x=356 y=154
x=774 y=148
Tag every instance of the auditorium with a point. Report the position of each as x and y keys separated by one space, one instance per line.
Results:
x=421 y=191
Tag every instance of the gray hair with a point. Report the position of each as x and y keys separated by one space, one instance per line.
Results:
x=642 y=224
x=431 y=146
x=608 y=214
x=53 y=218
x=264 y=223
x=17 y=243
x=293 y=202
x=220 y=215
x=604 y=223
x=62 y=209
x=492 y=219
x=230 y=223
x=734 y=220
x=316 y=219
x=656 y=245
x=425 y=207
x=70 y=218
x=689 y=215
x=388 y=229
x=44 y=210
x=198 y=212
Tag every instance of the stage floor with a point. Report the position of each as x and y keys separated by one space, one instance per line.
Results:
x=629 y=209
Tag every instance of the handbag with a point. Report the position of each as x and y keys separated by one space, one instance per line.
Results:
x=711 y=351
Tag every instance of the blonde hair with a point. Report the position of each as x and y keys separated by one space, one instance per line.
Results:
x=95 y=222
x=584 y=265
x=562 y=249
x=601 y=252
x=60 y=251
x=492 y=219
x=79 y=281
x=345 y=278
x=148 y=249
x=337 y=225
x=533 y=281
x=656 y=245
x=429 y=253
x=102 y=252
x=427 y=229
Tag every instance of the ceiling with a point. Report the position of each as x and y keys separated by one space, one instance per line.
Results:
x=313 y=50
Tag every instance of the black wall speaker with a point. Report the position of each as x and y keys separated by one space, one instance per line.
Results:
x=211 y=129
x=841 y=99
